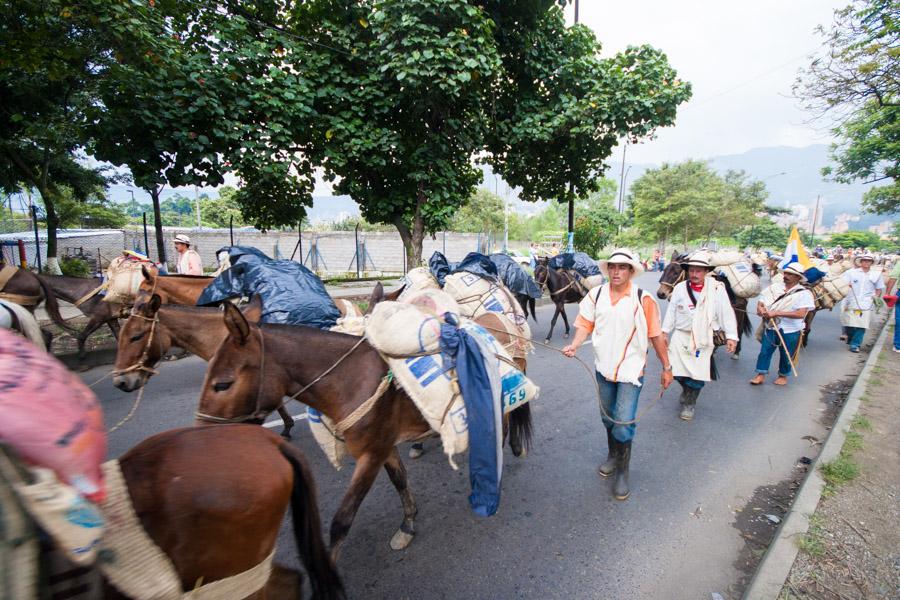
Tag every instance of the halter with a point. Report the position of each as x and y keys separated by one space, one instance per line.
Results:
x=260 y=413
x=681 y=278
x=139 y=365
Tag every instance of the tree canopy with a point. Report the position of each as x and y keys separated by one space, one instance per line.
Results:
x=855 y=82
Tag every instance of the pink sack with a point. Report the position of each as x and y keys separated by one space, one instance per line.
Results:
x=49 y=417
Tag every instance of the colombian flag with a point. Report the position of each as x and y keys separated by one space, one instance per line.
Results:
x=796 y=253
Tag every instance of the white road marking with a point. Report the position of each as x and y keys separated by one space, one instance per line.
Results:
x=278 y=422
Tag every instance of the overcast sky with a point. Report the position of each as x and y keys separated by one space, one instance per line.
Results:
x=741 y=58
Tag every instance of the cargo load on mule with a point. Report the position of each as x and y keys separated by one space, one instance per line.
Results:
x=291 y=294
x=744 y=281
x=123 y=277
x=581 y=268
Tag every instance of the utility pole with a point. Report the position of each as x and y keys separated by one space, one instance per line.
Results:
x=622 y=178
x=814 y=219
x=571 y=244
x=197 y=201
x=506 y=220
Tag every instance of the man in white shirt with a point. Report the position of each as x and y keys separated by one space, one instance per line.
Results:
x=697 y=308
x=188 y=261
x=857 y=307
x=783 y=307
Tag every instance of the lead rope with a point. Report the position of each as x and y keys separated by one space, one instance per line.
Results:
x=592 y=373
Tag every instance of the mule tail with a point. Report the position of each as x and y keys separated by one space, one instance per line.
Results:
x=52 y=305
x=531 y=303
x=746 y=327
x=520 y=430
x=323 y=576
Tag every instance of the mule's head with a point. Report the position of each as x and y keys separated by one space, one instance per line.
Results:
x=235 y=386
x=671 y=275
x=541 y=272
x=140 y=344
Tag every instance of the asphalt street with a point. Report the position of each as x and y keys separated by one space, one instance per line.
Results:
x=559 y=533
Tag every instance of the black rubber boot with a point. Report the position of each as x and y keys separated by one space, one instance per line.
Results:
x=621 y=490
x=688 y=402
x=609 y=467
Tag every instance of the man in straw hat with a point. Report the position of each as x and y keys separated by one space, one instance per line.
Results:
x=698 y=307
x=783 y=309
x=188 y=262
x=623 y=322
x=856 y=309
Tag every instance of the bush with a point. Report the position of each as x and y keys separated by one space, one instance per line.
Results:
x=75 y=267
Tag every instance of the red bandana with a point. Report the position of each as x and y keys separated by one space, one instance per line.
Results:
x=696 y=288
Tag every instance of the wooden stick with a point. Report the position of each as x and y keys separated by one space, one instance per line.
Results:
x=784 y=345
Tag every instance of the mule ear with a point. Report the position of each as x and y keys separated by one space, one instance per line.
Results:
x=253 y=309
x=152 y=307
x=376 y=297
x=237 y=325
x=147 y=275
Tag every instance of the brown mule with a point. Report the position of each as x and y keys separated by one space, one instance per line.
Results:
x=199 y=330
x=213 y=500
x=73 y=289
x=256 y=366
x=175 y=289
x=562 y=291
x=28 y=290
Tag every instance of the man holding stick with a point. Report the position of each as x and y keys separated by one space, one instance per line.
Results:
x=783 y=309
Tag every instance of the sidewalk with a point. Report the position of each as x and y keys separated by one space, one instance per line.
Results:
x=852 y=548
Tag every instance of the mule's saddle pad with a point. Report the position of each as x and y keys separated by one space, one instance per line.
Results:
x=132 y=562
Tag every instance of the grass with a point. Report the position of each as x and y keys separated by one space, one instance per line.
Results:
x=813 y=541
x=839 y=471
x=854 y=441
x=861 y=422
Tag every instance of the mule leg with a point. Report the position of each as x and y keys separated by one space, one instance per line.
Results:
x=114 y=327
x=553 y=322
x=92 y=326
x=363 y=477
x=288 y=422
x=397 y=473
x=565 y=319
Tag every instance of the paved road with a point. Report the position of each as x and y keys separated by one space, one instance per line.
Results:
x=558 y=533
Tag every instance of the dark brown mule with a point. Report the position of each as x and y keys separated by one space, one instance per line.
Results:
x=73 y=289
x=26 y=289
x=256 y=366
x=674 y=274
x=175 y=289
x=562 y=289
x=153 y=328
x=213 y=500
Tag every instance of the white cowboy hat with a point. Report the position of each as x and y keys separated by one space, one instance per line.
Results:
x=795 y=269
x=182 y=239
x=865 y=256
x=622 y=256
x=700 y=258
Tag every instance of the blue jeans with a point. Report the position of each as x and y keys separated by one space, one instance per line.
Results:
x=691 y=383
x=897 y=326
x=770 y=343
x=620 y=401
x=856 y=335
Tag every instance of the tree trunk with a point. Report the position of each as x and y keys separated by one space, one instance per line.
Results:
x=157 y=227
x=52 y=265
x=413 y=238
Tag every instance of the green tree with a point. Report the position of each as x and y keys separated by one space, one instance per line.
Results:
x=596 y=226
x=853 y=82
x=482 y=213
x=690 y=201
x=95 y=211
x=219 y=211
x=856 y=239
x=764 y=234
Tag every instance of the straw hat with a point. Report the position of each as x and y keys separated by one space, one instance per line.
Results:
x=622 y=256
x=700 y=258
x=182 y=239
x=864 y=256
x=795 y=269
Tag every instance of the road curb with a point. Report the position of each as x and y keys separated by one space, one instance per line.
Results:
x=776 y=565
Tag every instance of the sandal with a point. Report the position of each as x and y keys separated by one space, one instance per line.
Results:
x=758 y=380
x=781 y=380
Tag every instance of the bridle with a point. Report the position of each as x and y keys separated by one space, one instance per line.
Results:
x=681 y=277
x=259 y=413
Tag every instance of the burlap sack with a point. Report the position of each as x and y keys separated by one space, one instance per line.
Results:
x=398 y=329
x=726 y=257
x=124 y=277
x=744 y=282
x=416 y=280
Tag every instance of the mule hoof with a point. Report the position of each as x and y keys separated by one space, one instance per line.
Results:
x=401 y=540
x=416 y=450
x=286 y=434
x=520 y=452
x=566 y=335
x=547 y=341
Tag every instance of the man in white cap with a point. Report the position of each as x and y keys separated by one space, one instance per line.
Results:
x=188 y=261
x=857 y=307
x=783 y=308
x=698 y=307
x=623 y=321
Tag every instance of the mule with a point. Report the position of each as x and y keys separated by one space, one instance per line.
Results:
x=175 y=289
x=26 y=289
x=213 y=500
x=73 y=289
x=563 y=290
x=256 y=366
x=16 y=317
x=674 y=274
x=153 y=328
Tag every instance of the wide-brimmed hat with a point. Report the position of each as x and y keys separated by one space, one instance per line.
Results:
x=864 y=256
x=795 y=269
x=182 y=239
x=700 y=258
x=622 y=256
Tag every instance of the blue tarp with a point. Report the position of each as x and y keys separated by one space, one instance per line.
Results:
x=474 y=262
x=291 y=294
x=514 y=276
x=581 y=262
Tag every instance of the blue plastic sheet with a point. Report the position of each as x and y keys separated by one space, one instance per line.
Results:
x=291 y=294
x=474 y=262
x=514 y=276
x=579 y=261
